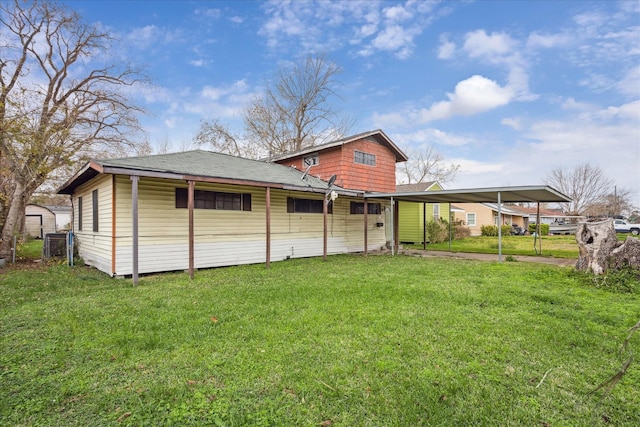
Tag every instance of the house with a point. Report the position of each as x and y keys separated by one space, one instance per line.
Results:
x=201 y=209
x=38 y=221
x=413 y=217
x=363 y=162
x=63 y=217
x=476 y=215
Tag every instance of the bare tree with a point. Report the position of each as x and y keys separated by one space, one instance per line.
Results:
x=214 y=134
x=427 y=165
x=616 y=203
x=55 y=108
x=584 y=184
x=296 y=109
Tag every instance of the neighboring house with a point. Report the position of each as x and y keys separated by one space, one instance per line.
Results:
x=547 y=216
x=413 y=216
x=38 y=221
x=475 y=215
x=201 y=209
x=63 y=217
x=363 y=162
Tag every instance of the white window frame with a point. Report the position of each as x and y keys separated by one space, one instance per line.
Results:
x=436 y=211
x=311 y=160
x=469 y=222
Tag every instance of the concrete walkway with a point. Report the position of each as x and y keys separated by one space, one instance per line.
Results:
x=564 y=262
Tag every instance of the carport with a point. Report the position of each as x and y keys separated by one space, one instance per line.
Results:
x=498 y=195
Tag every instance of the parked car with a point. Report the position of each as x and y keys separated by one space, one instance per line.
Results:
x=516 y=230
x=623 y=226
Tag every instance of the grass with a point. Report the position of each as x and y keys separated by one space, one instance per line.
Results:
x=555 y=246
x=355 y=341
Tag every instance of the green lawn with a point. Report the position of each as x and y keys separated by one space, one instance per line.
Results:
x=354 y=341
x=553 y=246
x=556 y=246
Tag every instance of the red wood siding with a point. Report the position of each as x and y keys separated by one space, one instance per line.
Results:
x=340 y=161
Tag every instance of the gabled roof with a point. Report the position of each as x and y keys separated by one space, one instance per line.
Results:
x=201 y=165
x=410 y=188
x=378 y=135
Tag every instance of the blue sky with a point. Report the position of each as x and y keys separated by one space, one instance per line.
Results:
x=506 y=89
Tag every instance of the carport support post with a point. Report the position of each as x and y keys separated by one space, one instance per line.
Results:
x=450 y=221
x=499 y=228
x=424 y=226
x=190 y=199
x=134 y=227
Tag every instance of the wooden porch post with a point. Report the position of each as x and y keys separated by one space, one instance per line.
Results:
x=134 y=227
x=268 y=225
x=190 y=203
x=324 y=229
x=396 y=225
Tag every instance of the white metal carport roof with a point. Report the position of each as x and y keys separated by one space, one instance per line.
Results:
x=499 y=195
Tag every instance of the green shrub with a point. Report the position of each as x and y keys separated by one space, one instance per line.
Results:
x=438 y=231
x=544 y=229
x=489 y=230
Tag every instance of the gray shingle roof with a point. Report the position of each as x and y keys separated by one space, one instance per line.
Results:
x=200 y=164
x=410 y=188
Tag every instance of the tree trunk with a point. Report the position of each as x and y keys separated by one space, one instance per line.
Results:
x=13 y=217
x=600 y=249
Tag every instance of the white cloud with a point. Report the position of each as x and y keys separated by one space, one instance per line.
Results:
x=376 y=27
x=446 y=49
x=216 y=93
x=512 y=122
x=548 y=41
x=145 y=36
x=474 y=95
x=396 y=39
x=397 y=14
x=432 y=136
x=480 y=44
x=630 y=83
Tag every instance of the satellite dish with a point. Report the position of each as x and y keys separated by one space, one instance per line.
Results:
x=332 y=180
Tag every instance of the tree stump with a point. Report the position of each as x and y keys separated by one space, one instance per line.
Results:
x=600 y=249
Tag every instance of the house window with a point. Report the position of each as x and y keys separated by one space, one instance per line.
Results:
x=307 y=205
x=79 y=213
x=364 y=158
x=311 y=160
x=471 y=219
x=217 y=200
x=94 y=202
x=357 y=208
x=436 y=210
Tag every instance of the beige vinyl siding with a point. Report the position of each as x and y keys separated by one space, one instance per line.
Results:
x=221 y=237
x=94 y=247
x=484 y=216
x=224 y=237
